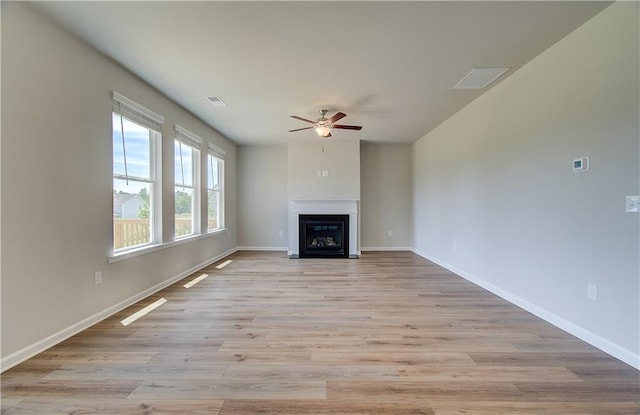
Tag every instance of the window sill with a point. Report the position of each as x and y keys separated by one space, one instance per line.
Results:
x=132 y=253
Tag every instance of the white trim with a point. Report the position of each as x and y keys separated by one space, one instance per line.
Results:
x=131 y=109
x=215 y=231
x=21 y=355
x=324 y=207
x=187 y=136
x=263 y=248
x=195 y=185
x=387 y=248
x=147 y=249
x=607 y=346
x=220 y=163
x=216 y=151
x=137 y=107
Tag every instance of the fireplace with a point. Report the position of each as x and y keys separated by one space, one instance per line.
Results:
x=324 y=208
x=323 y=236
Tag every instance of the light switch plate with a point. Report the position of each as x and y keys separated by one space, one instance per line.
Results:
x=633 y=204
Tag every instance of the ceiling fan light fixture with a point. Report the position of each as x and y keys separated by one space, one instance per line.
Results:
x=323 y=130
x=323 y=126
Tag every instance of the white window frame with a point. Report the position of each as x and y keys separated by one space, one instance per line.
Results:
x=138 y=114
x=184 y=137
x=218 y=153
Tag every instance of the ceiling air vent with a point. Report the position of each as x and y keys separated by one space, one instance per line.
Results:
x=217 y=101
x=480 y=78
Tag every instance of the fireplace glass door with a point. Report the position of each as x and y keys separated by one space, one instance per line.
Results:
x=324 y=236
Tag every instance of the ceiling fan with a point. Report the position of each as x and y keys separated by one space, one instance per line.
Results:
x=323 y=125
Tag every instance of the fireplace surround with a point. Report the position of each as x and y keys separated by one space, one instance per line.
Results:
x=348 y=209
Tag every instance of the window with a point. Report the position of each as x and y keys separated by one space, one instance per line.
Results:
x=136 y=189
x=186 y=182
x=215 y=188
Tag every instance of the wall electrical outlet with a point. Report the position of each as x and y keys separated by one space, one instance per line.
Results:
x=281 y=233
x=592 y=292
x=390 y=233
x=97 y=277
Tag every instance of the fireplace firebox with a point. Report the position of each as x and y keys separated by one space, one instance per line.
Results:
x=323 y=236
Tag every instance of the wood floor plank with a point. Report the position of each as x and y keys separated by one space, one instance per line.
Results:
x=229 y=357
x=324 y=407
x=80 y=405
x=550 y=358
x=136 y=372
x=404 y=358
x=96 y=358
x=119 y=389
x=431 y=373
x=417 y=390
x=390 y=333
x=230 y=389
x=584 y=391
x=463 y=407
x=311 y=372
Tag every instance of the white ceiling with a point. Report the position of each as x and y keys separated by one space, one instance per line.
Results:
x=389 y=65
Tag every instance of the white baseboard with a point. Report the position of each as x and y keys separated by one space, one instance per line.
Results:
x=263 y=248
x=593 y=339
x=387 y=248
x=21 y=355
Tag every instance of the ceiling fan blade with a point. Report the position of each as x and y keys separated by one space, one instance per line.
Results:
x=348 y=127
x=302 y=119
x=300 y=129
x=337 y=116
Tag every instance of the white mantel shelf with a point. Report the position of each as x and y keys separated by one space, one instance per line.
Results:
x=324 y=207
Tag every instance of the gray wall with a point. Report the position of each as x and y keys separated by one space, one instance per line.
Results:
x=262 y=198
x=495 y=197
x=339 y=158
x=56 y=157
x=386 y=195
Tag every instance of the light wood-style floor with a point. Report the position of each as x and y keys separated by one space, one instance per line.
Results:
x=389 y=333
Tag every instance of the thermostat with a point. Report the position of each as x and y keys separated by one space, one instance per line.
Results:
x=581 y=164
